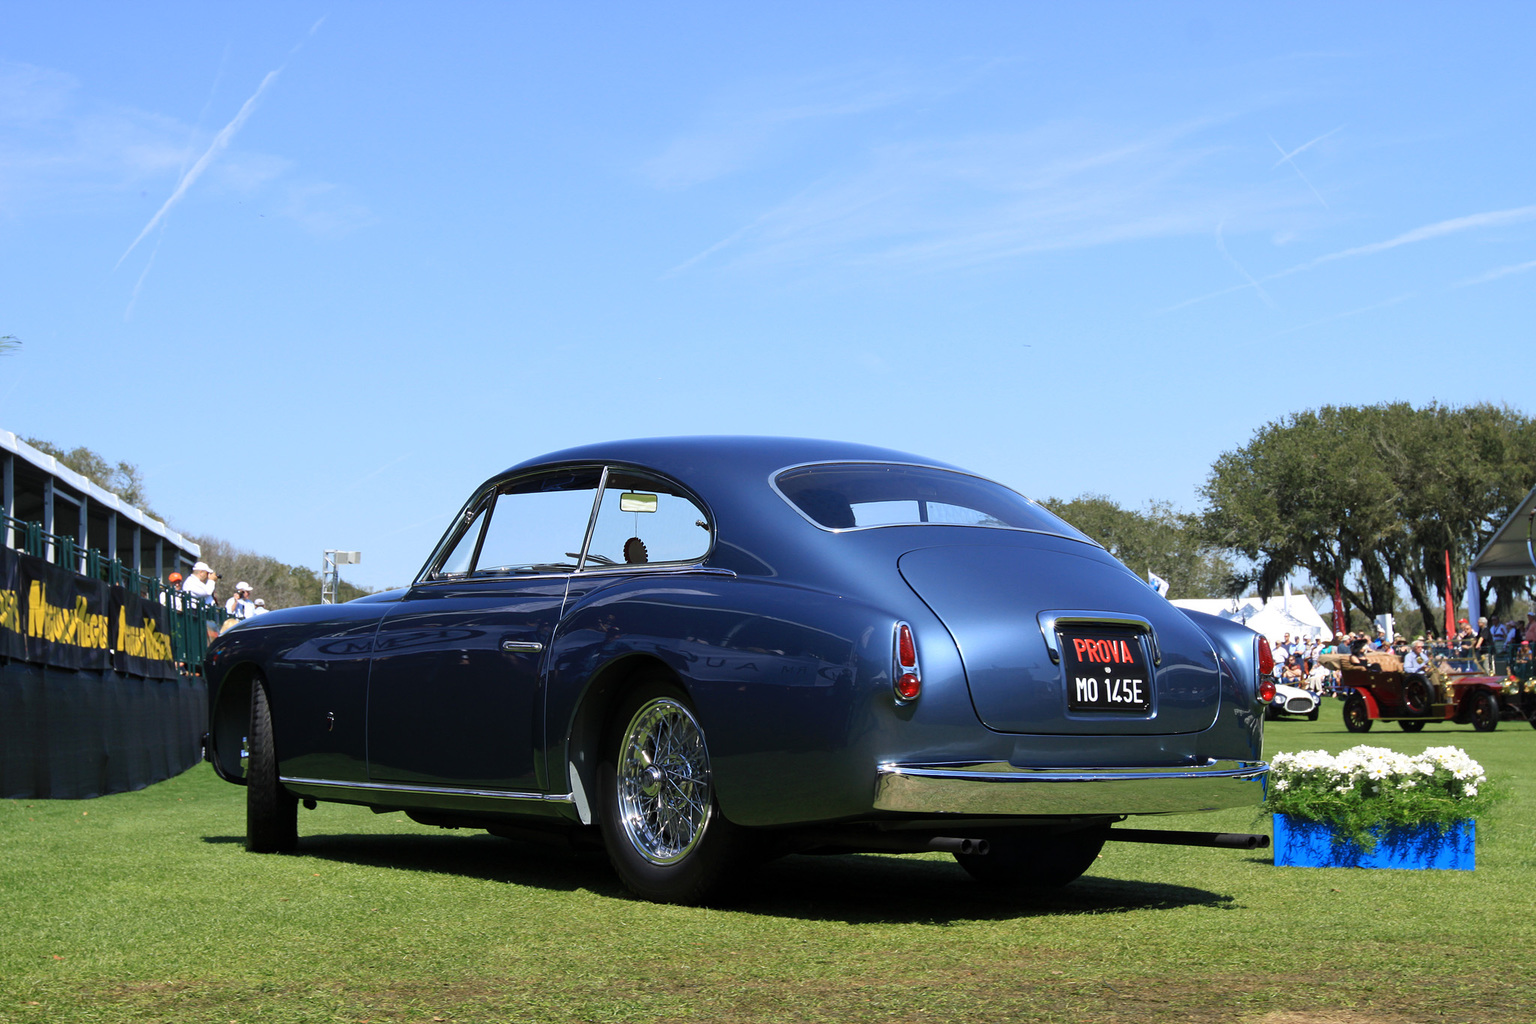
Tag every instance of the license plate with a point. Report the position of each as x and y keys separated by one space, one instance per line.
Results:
x=1106 y=671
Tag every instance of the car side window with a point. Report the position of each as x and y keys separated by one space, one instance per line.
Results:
x=644 y=520
x=538 y=525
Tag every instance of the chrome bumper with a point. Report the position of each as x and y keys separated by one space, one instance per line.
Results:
x=1002 y=788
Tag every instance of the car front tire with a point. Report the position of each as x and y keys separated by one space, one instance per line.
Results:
x=661 y=823
x=1485 y=712
x=1411 y=726
x=271 y=812
x=1032 y=858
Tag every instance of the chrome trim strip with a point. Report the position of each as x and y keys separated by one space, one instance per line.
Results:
x=1050 y=621
x=389 y=787
x=1002 y=788
x=522 y=646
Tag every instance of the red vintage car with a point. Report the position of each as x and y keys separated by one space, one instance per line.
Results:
x=1463 y=694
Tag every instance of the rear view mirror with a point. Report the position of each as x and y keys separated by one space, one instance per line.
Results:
x=634 y=501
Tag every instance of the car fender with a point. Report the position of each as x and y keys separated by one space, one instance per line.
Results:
x=315 y=662
x=792 y=711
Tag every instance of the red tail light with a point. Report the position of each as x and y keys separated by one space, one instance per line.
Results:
x=908 y=678
x=1266 y=670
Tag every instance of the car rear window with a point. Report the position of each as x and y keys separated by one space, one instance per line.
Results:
x=852 y=495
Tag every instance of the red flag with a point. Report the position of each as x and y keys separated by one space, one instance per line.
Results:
x=1450 y=602
x=1338 y=610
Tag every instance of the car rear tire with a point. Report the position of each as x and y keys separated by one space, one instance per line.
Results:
x=1356 y=717
x=1032 y=858
x=1485 y=712
x=271 y=812
x=1418 y=696
x=1411 y=726
x=661 y=824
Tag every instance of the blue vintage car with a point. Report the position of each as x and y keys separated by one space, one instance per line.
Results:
x=701 y=652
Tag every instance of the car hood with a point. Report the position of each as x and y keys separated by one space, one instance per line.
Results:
x=1003 y=605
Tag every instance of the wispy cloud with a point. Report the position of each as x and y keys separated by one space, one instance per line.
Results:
x=1429 y=232
x=64 y=146
x=737 y=129
x=954 y=202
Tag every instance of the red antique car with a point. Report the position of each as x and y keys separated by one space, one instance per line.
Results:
x=1460 y=693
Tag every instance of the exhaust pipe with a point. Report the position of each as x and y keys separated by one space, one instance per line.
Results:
x=895 y=842
x=1169 y=837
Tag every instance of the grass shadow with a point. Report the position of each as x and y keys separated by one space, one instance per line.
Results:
x=850 y=888
x=884 y=889
x=473 y=855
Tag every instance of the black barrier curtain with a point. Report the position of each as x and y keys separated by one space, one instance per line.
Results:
x=65 y=615
x=141 y=637
x=13 y=635
x=52 y=616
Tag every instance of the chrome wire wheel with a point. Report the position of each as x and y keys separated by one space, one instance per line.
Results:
x=663 y=781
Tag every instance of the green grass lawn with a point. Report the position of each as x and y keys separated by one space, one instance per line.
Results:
x=146 y=907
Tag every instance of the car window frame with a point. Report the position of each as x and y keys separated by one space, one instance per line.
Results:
x=682 y=491
x=484 y=500
x=773 y=482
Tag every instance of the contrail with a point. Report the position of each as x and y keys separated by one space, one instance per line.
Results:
x=1494 y=275
x=1286 y=158
x=191 y=137
x=1222 y=245
x=1429 y=232
x=220 y=143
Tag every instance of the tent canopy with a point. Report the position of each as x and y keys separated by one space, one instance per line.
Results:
x=1508 y=552
x=1273 y=618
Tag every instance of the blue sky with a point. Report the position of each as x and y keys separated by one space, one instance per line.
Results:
x=318 y=269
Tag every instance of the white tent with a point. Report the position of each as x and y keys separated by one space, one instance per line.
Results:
x=1274 y=618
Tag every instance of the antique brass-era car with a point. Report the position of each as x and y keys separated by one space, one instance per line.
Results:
x=699 y=652
x=1455 y=691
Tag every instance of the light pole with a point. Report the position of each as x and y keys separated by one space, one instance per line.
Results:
x=329 y=577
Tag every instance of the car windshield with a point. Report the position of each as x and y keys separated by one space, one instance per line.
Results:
x=844 y=496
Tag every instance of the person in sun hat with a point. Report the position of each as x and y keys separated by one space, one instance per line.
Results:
x=240 y=606
x=199 y=585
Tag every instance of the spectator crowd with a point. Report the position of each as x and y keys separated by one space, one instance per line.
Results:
x=199 y=586
x=1299 y=660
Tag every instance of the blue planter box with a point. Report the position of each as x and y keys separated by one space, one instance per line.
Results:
x=1301 y=843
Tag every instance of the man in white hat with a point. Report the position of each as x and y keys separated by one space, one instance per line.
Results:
x=241 y=606
x=199 y=585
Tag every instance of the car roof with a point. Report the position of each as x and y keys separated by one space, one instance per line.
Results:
x=695 y=459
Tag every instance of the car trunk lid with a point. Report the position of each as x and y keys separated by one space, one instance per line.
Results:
x=1057 y=637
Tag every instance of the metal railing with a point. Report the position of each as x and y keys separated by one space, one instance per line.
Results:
x=191 y=622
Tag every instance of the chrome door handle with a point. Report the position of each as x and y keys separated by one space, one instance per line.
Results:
x=522 y=646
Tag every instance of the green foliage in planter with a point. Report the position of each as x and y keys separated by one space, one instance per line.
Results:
x=1365 y=787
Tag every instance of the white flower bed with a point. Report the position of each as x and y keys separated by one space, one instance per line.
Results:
x=1375 y=770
